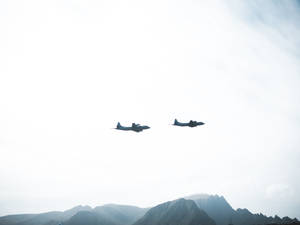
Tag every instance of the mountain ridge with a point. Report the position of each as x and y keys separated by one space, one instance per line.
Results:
x=222 y=213
x=214 y=206
x=177 y=212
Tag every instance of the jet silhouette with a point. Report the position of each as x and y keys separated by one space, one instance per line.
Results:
x=134 y=127
x=192 y=123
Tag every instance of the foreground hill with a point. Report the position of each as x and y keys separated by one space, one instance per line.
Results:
x=223 y=214
x=178 y=212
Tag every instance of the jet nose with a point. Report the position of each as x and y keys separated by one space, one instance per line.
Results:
x=147 y=127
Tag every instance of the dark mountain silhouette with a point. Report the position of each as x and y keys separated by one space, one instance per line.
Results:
x=178 y=212
x=222 y=213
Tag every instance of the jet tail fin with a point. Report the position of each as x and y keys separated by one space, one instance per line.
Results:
x=118 y=125
x=175 y=122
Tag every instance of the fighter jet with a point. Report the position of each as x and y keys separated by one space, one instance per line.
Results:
x=134 y=127
x=192 y=123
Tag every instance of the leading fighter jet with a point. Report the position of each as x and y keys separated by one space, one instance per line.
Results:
x=192 y=123
x=134 y=127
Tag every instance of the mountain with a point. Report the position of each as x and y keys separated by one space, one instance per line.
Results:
x=110 y=214
x=245 y=217
x=222 y=213
x=201 y=209
x=178 y=212
x=215 y=206
x=71 y=212
x=14 y=219
x=48 y=218
x=30 y=219
x=87 y=218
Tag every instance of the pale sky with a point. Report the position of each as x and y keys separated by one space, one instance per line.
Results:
x=71 y=69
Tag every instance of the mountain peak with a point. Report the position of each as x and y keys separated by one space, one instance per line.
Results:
x=215 y=206
x=177 y=212
x=204 y=196
x=222 y=213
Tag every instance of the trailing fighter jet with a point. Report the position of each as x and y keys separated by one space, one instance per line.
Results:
x=134 y=127
x=192 y=123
